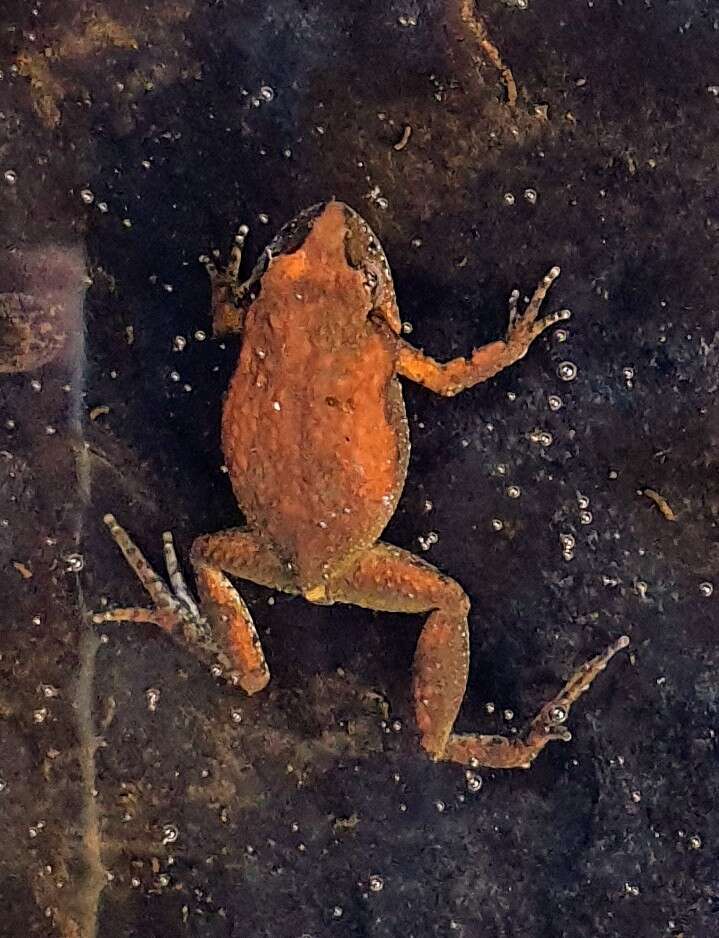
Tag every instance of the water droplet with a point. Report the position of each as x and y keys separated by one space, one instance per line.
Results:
x=706 y=588
x=585 y=517
x=497 y=524
x=508 y=198
x=555 y=402
x=267 y=93
x=695 y=842
x=567 y=371
x=530 y=196
x=561 y=335
x=10 y=177
x=513 y=491
x=376 y=883
x=87 y=196
x=407 y=327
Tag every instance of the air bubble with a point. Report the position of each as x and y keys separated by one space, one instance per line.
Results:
x=555 y=402
x=508 y=198
x=10 y=177
x=170 y=833
x=74 y=563
x=87 y=196
x=530 y=196
x=267 y=93
x=585 y=517
x=706 y=588
x=376 y=883
x=513 y=491
x=474 y=782
x=567 y=371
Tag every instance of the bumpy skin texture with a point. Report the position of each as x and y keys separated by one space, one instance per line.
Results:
x=315 y=438
x=313 y=427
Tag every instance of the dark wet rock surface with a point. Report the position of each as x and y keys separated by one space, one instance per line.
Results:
x=137 y=139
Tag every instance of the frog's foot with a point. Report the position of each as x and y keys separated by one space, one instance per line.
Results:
x=176 y=612
x=227 y=291
x=500 y=752
x=525 y=327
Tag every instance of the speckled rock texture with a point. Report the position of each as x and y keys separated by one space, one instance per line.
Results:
x=139 y=797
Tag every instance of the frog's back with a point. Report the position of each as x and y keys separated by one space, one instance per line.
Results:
x=314 y=430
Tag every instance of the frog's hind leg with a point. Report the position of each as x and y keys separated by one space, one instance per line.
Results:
x=221 y=632
x=245 y=554
x=388 y=579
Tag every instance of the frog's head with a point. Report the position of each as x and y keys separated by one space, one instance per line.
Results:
x=327 y=234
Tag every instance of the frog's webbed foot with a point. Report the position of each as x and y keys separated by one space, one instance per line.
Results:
x=504 y=753
x=174 y=611
x=525 y=327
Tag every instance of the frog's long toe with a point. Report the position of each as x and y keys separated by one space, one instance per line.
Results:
x=525 y=327
x=504 y=753
x=167 y=612
x=176 y=612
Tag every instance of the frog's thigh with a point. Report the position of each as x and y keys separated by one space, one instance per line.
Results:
x=242 y=553
x=388 y=579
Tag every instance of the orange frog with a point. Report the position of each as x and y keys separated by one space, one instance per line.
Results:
x=316 y=443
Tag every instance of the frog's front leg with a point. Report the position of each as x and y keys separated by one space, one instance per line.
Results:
x=228 y=312
x=388 y=579
x=451 y=377
x=221 y=632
